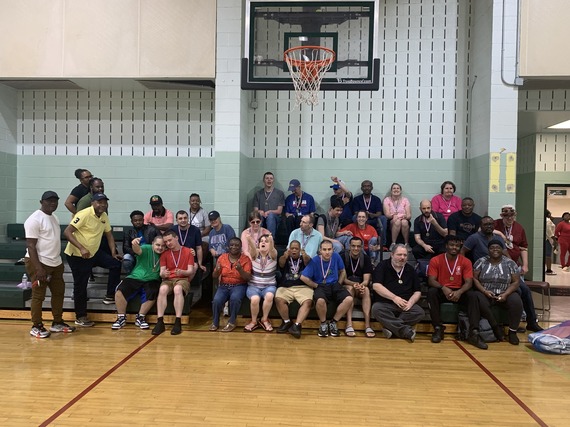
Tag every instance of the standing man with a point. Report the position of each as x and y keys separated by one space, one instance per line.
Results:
x=44 y=265
x=430 y=229
x=450 y=279
x=176 y=269
x=372 y=205
x=324 y=274
x=309 y=237
x=297 y=204
x=83 y=253
x=465 y=222
x=145 y=232
x=143 y=280
x=269 y=201
x=96 y=185
x=292 y=288
x=358 y=269
x=329 y=226
x=517 y=247
x=397 y=291
x=159 y=216
x=220 y=235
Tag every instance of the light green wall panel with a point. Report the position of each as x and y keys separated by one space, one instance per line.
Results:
x=8 y=191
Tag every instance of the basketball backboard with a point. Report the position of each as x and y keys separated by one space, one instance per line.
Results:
x=347 y=27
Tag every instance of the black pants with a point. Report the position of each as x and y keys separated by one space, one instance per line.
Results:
x=513 y=304
x=420 y=253
x=468 y=299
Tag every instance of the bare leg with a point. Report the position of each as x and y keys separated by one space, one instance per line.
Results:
x=366 y=304
x=282 y=308
x=396 y=227
x=350 y=289
x=254 y=308
x=120 y=303
x=161 y=300
x=145 y=307
x=343 y=308
x=406 y=231
x=178 y=300
x=267 y=304
x=321 y=308
x=304 y=311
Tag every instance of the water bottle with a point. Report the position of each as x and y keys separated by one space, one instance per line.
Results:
x=24 y=280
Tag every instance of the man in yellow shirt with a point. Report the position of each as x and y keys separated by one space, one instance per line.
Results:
x=83 y=253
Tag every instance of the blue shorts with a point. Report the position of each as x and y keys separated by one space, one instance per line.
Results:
x=260 y=292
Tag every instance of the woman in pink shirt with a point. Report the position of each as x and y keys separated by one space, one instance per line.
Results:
x=446 y=202
x=398 y=211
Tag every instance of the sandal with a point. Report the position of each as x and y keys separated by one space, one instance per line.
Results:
x=349 y=331
x=229 y=327
x=369 y=332
x=266 y=325
x=250 y=327
x=213 y=328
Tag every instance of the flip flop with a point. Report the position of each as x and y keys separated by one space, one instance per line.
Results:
x=266 y=325
x=370 y=332
x=250 y=327
x=349 y=331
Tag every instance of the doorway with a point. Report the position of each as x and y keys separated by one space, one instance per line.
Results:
x=557 y=201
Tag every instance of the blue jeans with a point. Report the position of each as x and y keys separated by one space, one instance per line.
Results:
x=129 y=262
x=344 y=243
x=528 y=303
x=271 y=223
x=372 y=242
x=232 y=293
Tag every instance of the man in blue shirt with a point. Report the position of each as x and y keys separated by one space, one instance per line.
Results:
x=297 y=204
x=324 y=274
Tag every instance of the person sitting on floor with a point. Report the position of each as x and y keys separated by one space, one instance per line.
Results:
x=177 y=269
x=145 y=232
x=358 y=278
x=262 y=284
x=397 y=292
x=292 y=288
x=297 y=204
x=143 y=280
x=324 y=274
x=328 y=225
x=430 y=229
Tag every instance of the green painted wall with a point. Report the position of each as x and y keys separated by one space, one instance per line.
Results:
x=8 y=191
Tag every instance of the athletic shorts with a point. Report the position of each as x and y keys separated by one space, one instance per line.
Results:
x=131 y=287
x=171 y=283
x=331 y=292
x=300 y=294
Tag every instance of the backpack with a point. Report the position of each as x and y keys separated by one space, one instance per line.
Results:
x=485 y=330
x=422 y=268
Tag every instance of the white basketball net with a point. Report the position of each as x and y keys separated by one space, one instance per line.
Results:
x=307 y=65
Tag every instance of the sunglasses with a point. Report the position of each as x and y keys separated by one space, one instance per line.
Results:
x=255 y=221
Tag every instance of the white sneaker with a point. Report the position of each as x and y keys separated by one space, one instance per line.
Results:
x=565 y=269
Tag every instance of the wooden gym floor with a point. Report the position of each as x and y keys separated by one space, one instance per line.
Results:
x=129 y=377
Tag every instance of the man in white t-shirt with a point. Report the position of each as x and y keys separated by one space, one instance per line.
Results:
x=44 y=265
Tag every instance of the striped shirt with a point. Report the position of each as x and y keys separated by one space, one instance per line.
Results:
x=263 y=272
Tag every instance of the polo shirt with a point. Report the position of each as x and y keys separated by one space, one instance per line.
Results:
x=89 y=230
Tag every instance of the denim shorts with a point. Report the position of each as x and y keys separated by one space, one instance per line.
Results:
x=260 y=292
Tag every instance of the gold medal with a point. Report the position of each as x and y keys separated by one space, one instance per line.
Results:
x=452 y=278
x=295 y=276
x=427 y=234
x=400 y=281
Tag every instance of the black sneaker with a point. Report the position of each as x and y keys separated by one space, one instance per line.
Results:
x=177 y=328
x=159 y=327
x=437 y=335
x=513 y=339
x=109 y=300
x=284 y=327
x=411 y=336
x=295 y=330
x=323 y=330
x=39 y=331
x=499 y=333
x=476 y=340
x=333 y=329
x=119 y=323
x=534 y=327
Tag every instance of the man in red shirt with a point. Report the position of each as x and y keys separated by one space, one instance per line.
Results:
x=177 y=270
x=450 y=278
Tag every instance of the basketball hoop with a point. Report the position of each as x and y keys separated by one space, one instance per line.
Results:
x=307 y=65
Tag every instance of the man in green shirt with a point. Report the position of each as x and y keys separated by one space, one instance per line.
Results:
x=144 y=280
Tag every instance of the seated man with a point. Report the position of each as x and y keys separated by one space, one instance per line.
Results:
x=397 y=291
x=367 y=234
x=429 y=230
x=269 y=202
x=143 y=280
x=220 y=235
x=291 y=288
x=450 y=277
x=372 y=205
x=146 y=233
x=297 y=204
x=309 y=237
x=159 y=216
x=465 y=222
x=324 y=274
x=177 y=270
x=358 y=275
x=329 y=226
x=344 y=196
x=189 y=236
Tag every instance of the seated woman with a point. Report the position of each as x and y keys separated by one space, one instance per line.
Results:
x=398 y=211
x=233 y=270
x=255 y=231
x=262 y=283
x=367 y=234
x=497 y=278
x=446 y=202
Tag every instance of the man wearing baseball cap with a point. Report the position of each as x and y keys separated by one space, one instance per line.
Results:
x=220 y=234
x=159 y=216
x=342 y=194
x=45 y=266
x=83 y=252
x=297 y=204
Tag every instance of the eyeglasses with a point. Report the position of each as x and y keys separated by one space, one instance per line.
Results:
x=255 y=221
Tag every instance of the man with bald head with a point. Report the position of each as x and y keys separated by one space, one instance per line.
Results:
x=430 y=228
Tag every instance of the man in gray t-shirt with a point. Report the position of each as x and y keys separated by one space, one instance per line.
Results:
x=269 y=201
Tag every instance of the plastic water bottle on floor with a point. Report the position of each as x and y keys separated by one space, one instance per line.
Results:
x=24 y=284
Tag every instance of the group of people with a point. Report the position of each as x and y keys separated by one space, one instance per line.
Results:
x=333 y=257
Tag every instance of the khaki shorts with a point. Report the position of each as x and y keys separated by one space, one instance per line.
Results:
x=298 y=293
x=177 y=282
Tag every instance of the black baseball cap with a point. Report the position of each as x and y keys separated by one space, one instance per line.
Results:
x=155 y=200
x=50 y=195
x=98 y=196
x=213 y=215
